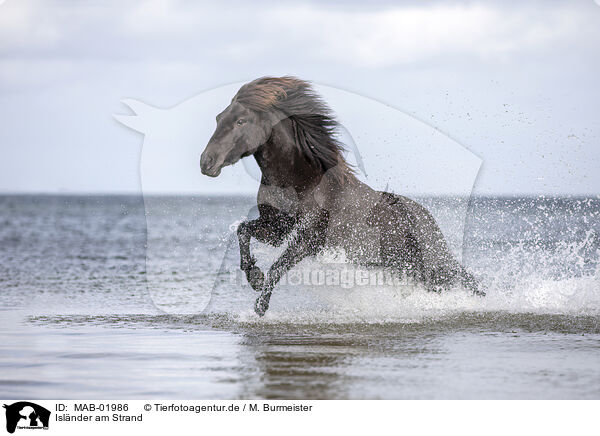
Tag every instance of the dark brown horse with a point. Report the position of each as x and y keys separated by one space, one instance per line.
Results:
x=310 y=197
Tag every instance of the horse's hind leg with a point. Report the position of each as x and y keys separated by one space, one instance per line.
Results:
x=468 y=281
x=417 y=236
x=438 y=280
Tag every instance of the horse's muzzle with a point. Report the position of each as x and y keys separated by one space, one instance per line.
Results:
x=209 y=166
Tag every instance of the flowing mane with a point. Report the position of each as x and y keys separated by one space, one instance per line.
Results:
x=313 y=124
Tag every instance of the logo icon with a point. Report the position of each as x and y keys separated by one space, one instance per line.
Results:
x=26 y=415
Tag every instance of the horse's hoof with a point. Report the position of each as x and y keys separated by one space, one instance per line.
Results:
x=262 y=304
x=255 y=278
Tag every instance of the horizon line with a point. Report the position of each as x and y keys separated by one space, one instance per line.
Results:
x=252 y=194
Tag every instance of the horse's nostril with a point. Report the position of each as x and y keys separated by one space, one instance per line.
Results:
x=209 y=166
x=206 y=161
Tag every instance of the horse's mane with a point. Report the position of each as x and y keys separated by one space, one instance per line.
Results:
x=313 y=124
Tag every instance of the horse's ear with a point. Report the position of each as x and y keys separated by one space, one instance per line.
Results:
x=143 y=114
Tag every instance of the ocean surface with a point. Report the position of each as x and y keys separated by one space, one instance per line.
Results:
x=113 y=297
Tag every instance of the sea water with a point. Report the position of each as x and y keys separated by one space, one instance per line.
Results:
x=126 y=297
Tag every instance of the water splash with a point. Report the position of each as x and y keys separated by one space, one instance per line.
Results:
x=537 y=256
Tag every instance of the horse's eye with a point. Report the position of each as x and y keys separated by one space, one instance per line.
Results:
x=240 y=121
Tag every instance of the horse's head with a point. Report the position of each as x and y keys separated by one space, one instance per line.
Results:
x=239 y=133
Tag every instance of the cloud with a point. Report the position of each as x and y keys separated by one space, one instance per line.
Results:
x=387 y=35
x=381 y=36
x=24 y=26
x=410 y=35
x=65 y=65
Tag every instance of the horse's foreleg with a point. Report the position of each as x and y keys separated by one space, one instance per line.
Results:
x=247 y=262
x=308 y=241
x=271 y=228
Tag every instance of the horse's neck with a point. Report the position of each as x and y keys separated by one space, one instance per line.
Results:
x=282 y=164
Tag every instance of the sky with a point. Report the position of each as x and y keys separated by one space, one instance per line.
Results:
x=515 y=83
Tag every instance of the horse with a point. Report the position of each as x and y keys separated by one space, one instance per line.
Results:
x=310 y=197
